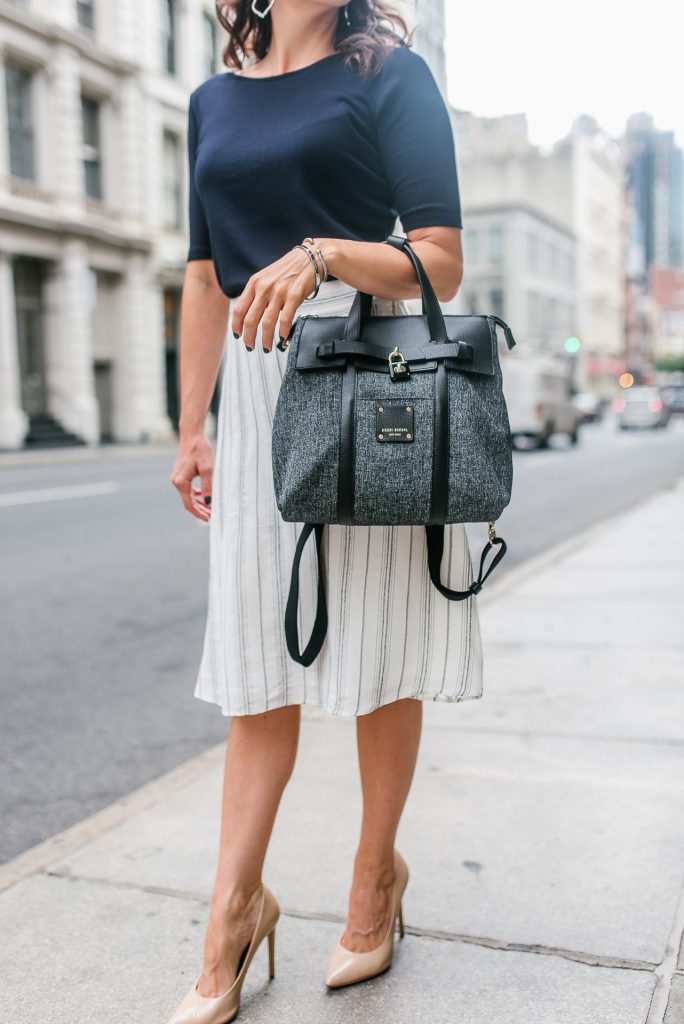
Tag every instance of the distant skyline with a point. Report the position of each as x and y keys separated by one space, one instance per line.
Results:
x=554 y=63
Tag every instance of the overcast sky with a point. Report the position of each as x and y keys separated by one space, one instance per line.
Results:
x=555 y=61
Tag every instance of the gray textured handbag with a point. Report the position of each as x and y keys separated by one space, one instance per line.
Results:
x=391 y=420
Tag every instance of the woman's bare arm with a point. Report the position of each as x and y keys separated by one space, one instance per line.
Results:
x=382 y=270
x=204 y=319
x=273 y=294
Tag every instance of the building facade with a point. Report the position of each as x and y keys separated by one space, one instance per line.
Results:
x=519 y=251
x=655 y=174
x=93 y=234
x=544 y=239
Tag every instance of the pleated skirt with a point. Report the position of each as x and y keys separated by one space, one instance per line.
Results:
x=391 y=634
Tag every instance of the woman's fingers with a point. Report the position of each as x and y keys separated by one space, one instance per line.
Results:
x=199 y=507
x=205 y=470
x=240 y=307
x=270 y=319
x=249 y=311
x=194 y=460
x=275 y=291
x=287 y=315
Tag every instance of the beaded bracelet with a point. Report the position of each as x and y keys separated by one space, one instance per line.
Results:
x=317 y=273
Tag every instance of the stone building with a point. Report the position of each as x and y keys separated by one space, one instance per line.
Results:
x=93 y=234
x=545 y=238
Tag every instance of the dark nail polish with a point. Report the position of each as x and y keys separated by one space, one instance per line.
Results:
x=250 y=348
x=207 y=499
x=235 y=334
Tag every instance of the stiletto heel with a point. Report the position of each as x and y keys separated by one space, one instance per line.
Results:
x=271 y=955
x=198 y=1009
x=346 y=967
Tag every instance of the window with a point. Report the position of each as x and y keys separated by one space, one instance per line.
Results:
x=173 y=193
x=496 y=244
x=496 y=302
x=29 y=277
x=85 y=14
x=168 y=25
x=92 y=153
x=18 y=82
x=172 y=306
x=532 y=251
x=533 y=311
x=209 y=33
x=472 y=246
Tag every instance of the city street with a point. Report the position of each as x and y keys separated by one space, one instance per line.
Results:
x=103 y=592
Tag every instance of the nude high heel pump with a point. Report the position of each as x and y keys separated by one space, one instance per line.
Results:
x=346 y=967
x=198 y=1009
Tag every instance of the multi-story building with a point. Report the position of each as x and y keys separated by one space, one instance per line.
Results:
x=93 y=186
x=655 y=169
x=667 y=295
x=430 y=34
x=587 y=177
x=519 y=253
x=544 y=237
x=93 y=100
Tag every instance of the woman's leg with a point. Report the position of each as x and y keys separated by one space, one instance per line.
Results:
x=388 y=741
x=260 y=756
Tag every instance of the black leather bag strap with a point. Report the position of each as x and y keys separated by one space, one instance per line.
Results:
x=361 y=306
x=320 y=626
x=435 y=550
x=459 y=350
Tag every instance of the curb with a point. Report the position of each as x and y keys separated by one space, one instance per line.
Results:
x=38 y=857
x=537 y=563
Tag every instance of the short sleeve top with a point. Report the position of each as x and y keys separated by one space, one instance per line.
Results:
x=320 y=151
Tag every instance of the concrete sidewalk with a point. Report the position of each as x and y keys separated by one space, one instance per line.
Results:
x=544 y=832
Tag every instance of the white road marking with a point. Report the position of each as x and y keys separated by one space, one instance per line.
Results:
x=58 y=493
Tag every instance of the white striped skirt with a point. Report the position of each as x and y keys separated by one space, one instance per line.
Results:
x=391 y=634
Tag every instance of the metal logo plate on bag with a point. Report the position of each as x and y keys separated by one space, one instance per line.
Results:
x=394 y=423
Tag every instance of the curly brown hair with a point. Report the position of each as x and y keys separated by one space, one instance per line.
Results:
x=375 y=27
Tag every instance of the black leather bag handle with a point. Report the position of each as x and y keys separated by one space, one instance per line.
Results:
x=361 y=306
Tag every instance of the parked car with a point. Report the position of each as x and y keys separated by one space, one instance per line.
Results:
x=673 y=396
x=641 y=407
x=538 y=400
x=589 y=405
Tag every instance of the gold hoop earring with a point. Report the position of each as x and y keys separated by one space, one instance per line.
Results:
x=266 y=10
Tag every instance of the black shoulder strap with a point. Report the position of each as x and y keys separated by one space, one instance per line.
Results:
x=435 y=550
x=320 y=625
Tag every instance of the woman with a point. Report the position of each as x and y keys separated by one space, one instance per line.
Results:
x=300 y=161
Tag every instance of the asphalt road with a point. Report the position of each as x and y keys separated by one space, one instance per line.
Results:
x=103 y=596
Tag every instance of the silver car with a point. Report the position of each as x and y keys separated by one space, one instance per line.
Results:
x=641 y=407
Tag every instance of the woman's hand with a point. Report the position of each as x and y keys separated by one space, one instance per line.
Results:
x=273 y=292
x=194 y=459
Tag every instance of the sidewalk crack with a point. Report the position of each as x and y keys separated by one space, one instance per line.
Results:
x=668 y=968
x=439 y=935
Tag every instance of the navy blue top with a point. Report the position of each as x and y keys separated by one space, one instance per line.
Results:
x=318 y=151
